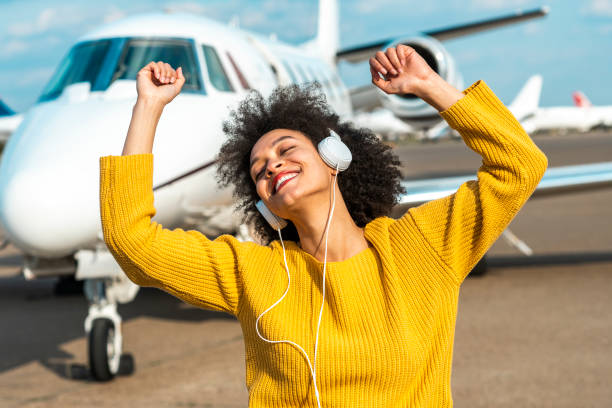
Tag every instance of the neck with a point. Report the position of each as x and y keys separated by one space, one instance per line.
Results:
x=345 y=238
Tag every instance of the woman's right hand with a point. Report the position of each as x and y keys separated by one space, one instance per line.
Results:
x=160 y=82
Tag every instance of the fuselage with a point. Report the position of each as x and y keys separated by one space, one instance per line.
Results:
x=49 y=173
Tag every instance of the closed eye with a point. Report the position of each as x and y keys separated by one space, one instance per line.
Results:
x=285 y=150
x=258 y=175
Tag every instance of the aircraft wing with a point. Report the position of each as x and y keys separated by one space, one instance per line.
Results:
x=364 y=52
x=556 y=180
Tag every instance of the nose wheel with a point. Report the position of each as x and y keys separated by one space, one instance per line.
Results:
x=104 y=357
x=103 y=327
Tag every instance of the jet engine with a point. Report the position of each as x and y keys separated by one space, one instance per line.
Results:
x=409 y=107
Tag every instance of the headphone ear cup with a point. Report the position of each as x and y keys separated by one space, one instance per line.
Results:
x=275 y=221
x=335 y=153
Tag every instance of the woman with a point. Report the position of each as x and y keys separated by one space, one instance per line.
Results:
x=389 y=299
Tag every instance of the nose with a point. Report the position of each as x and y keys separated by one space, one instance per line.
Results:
x=42 y=216
x=274 y=166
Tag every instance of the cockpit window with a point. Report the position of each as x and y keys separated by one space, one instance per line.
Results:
x=81 y=64
x=178 y=53
x=216 y=73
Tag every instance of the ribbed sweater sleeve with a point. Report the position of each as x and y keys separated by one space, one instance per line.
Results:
x=186 y=264
x=461 y=227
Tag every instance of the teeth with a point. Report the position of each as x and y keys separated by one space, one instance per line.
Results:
x=282 y=179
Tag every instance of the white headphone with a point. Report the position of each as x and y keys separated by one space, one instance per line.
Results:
x=337 y=156
x=334 y=153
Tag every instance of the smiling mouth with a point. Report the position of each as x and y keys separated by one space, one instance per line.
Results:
x=283 y=180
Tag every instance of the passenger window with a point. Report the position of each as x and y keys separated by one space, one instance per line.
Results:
x=81 y=64
x=301 y=72
x=290 y=71
x=178 y=53
x=241 y=78
x=313 y=74
x=216 y=73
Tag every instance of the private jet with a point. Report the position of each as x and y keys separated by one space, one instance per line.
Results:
x=49 y=171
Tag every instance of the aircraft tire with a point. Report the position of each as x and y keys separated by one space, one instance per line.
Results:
x=101 y=349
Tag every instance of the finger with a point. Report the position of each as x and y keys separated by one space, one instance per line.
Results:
x=171 y=74
x=384 y=61
x=376 y=79
x=392 y=55
x=168 y=72
x=406 y=52
x=152 y=67
x=162 y=71
x=401 y=54
x=180 y=79
x=377 y=66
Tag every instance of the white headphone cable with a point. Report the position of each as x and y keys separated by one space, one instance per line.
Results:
x=331 y=213
x=312 y=371
x=288 y=341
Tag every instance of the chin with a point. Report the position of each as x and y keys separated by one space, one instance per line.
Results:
x=288 y=201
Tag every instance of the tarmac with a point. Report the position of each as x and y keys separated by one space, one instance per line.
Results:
x=533 y=332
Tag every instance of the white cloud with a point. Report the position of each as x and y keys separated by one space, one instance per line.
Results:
x=599 y=7
x=532 y=28
x=253 y=19
x=605 y=29
x=33 y=76
x=39 y=25
x=47 y=19
x=115 y=13
x=13 y=47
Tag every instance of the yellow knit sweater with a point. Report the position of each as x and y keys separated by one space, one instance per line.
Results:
x=386 y=335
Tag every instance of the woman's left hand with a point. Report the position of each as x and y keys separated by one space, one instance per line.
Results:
x=404 y=71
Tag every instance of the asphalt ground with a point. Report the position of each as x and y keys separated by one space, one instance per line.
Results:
x=533 y=332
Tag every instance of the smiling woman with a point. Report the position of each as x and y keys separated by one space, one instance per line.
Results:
x=387 y=323
x=295 y=119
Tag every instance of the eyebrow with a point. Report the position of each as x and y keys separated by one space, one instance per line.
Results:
x=273 y=143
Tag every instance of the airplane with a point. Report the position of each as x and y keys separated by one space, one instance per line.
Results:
x=49 y=170
x=526 y=108
x=582 y=117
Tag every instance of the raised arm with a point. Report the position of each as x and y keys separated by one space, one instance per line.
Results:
x=461 y=227
x=186 y=264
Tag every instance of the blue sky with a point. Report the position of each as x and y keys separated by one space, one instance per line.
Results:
x=571 y=47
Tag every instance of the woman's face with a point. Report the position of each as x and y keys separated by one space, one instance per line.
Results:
x=288 y=172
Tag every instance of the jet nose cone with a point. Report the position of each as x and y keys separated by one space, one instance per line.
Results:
x=44 y=213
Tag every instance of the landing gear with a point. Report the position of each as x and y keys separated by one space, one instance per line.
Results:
x=103 y=325
x=105 y=286
x=103 y=356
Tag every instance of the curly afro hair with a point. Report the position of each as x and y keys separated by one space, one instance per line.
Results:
x=370 y=186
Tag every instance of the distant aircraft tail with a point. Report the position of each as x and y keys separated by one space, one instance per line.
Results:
x=327 y=40
x=580 y=100
x=527 y=100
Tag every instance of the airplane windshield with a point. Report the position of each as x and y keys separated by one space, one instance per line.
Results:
x=139 y=52
x=81 y=64
x=216 y=73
